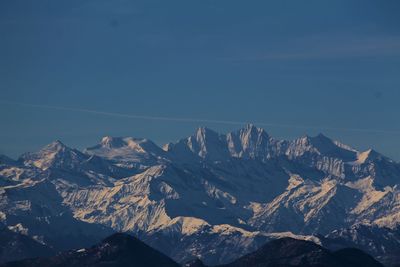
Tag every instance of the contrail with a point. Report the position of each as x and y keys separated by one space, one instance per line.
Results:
x=197 y=120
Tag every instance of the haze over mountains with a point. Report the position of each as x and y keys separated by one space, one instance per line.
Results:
x=210 y=196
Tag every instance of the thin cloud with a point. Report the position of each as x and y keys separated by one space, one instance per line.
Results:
x=333 y=47
x=198 y=120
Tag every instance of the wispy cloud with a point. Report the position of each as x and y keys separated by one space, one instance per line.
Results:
x=198 y=120
x=327 y=47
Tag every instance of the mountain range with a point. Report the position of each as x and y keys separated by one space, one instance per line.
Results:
x=210 y=196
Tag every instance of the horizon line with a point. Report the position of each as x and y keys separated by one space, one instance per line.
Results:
x=197 y=120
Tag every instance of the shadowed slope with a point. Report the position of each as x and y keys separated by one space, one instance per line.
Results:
x=116 y=250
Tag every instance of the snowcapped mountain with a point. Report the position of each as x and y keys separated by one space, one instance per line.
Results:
x=137 y=152
x=33 y=207
x=54 y=155
x=209 y=195
x=247 y=143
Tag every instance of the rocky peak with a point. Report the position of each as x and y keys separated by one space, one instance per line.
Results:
x=207 y=144
x=320 y=145
x=204 y=135
x=55 y=154
x=368 y=156
x=54 y=147
x=249 y=142
x=112 y=142
x=127 y=149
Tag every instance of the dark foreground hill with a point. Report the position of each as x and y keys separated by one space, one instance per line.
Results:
x=14 y=246
x=118 y=250
x=125 y=250
x=287 y=252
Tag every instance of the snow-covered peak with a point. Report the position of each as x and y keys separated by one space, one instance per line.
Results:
x=204 y=138
x=250 y=142
x=138 y=144
x=57 y=144
x=204 y=144
x=203 y=132
x=247 y=142
x=112 y=142
x=207 y=144
x=54 y=147
x=251 y=133
x=55 y=154
x=126 y=149
x=363 y=156
x=320 y=145
x=368 y=155
x=320 y=140
x=251 y=128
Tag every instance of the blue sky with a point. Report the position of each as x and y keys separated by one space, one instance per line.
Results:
x=299 y=67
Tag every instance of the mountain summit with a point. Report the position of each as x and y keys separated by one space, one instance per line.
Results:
x=56 y=155
x=127 y=149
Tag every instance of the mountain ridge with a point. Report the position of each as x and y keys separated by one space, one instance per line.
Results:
x=207 y=189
